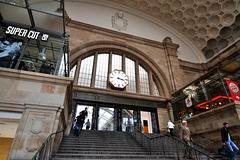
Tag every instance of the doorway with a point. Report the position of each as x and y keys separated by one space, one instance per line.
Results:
x=89 y=116
x=113 y=117
x=9 y=122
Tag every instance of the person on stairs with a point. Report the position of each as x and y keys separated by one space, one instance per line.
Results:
x=170 y=126
x=185 y=136
x=79 y=123
x=87 y=125
x=227 y=140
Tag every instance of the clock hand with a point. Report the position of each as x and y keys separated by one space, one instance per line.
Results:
x=120 y=78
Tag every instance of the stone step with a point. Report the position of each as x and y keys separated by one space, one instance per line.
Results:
x=107 y=156
x=105 y=152
x=99 y=146
x=102 y=149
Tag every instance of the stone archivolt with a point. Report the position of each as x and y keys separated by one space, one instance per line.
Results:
x=202 y=20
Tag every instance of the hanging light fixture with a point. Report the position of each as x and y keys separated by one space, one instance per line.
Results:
x=42 y=55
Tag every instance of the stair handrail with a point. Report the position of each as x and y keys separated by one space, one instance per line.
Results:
x=191 y=147
x=166 y=135
x=44 y=143
x=193 y=133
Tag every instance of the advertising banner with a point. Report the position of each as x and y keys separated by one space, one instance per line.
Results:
x=234 y=90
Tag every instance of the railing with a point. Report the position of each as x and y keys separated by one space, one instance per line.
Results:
x=46 y=149
x=205 y=142
x=167 y=145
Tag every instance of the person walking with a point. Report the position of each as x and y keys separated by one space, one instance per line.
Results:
x=85 y=113
x=79 y=123
x=185 y=136
x=87 y=125
x=227 y=140
x=170 y=126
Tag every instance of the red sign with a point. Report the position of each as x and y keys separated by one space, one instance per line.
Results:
x=234 y=90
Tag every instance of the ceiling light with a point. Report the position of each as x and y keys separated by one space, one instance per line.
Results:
x=42 y=55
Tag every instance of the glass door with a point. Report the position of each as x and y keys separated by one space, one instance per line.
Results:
x=127 y=120
x=106 y=119
x=146 y=122
x=88 y=117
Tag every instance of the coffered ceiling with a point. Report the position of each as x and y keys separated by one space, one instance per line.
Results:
x=211 y=24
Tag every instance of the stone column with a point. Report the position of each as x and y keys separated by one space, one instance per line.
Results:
x=38 y=121
x=175 y=73
x=170 y=111
x=162 y=119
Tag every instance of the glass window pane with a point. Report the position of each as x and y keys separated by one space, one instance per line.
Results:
x=45 y=5
x=144 y=83
x=47 y=21
x=14 y=14
x=155 y=89
x=85 y=74
x=116 y=62
x=130 y=71
x=61 y=71
x=15 y=2
x=102 y=71
x=72 y=72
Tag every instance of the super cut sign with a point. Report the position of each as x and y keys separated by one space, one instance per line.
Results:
x=21 y=32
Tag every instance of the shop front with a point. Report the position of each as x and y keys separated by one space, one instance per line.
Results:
x=34 y=67
x=210 y=101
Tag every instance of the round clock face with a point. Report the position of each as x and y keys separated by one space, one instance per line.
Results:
x=118 y=79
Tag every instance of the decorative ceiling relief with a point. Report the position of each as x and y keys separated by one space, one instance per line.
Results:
x=119 y=22
x=200 y=21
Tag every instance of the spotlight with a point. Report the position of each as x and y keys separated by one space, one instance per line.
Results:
x=42 y=55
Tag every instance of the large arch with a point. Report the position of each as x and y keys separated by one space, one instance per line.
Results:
x=84 y=51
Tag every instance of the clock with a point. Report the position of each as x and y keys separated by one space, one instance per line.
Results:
x=118 y=79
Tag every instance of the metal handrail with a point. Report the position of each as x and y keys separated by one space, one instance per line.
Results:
x=195 y=134
x=45 y=142
x=151 y=139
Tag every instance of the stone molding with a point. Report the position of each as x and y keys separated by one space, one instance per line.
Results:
x=33 y=76
x=212 y=112
x=83 y=50
x=123 y=94
x=21 y=107
x=111 y=33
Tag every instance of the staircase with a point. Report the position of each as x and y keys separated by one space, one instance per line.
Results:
x=99 y=145
x=91 y=145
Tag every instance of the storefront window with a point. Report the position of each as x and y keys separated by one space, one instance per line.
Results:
x=30 y=41
x=207 y=93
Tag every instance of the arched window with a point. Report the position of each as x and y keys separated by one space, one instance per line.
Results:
x=94 y=71
x=130 y=71
x=101 y=71
x=85 y=74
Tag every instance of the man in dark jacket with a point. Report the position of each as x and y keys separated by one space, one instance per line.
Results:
x=227 y=140
x=79 y=123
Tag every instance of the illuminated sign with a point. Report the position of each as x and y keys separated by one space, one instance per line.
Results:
x=188 y=101
x=234 y=90
x=21 y=32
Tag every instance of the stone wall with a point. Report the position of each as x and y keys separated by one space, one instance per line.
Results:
x=44 y=102
x=163 y=118
x=161 y=57
x=206 y=126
